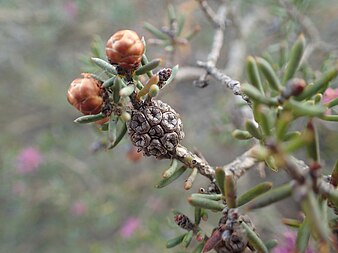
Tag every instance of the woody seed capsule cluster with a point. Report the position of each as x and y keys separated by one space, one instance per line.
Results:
x=156 y=129
x=125 y=49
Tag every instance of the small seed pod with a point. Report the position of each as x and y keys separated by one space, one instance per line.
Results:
x=85 y=94
x=125 y=49
x=163 y=75
x=156 y=129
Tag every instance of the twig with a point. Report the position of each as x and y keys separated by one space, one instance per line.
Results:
x=237 y=168
x=234 y=85
x=208 y=12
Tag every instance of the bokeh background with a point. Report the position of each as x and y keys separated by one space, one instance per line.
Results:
x=56 y=195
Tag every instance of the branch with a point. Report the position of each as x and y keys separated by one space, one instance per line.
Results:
x=234 y=85
x=237 y=168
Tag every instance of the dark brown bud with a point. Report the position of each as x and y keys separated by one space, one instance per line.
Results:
x=125 y=49
x=85 y=94
x=183 y=221
x=163 y=76
x=294 y=87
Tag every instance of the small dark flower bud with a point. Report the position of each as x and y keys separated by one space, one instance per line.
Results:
x=293 y=87
x=163 y=75
x=183 y=221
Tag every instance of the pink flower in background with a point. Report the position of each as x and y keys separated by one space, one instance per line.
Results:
x=330 y=94
x=71 y=9
x=28 y=160
x=288 y=245
x=78 y=208
x=129 y=227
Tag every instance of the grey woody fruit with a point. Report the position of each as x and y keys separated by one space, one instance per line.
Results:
x=156 y=129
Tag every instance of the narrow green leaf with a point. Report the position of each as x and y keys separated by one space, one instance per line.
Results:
x=171 y=12
x=122 y=131
x=312 y=146
x=304 y=109
x=294 y=58
x=270 y=197
x=206 y=203
x=282 y=124
x=329 y=117
x=253 y=129
x=175 y=241
x=144 y=61
x=180 y=24
x=108 y=68
x=241 y=134
x=334 y=175
x=230 y=191
x=254 y=192
x=254 y=240
x=148 y=67
x=171 y=170
x=303 y=236
x=291 y=135
x=155 y=31
x=207 y=196
x=173 y=74
x=127 y=91
x=264 y=118
x=112 y=129
x=109 y=82
x=220 y=179
x=332 y=103
x=166 y=181
x=187 y=239
x=253 y=74
x=271 y=244
x=198 y=215
x=199 y=248
x=89 y=118
x=116 y=89
x=311 y=209
x=292 y=222
x=254 y=94
x=319 y=85
x=269 y=74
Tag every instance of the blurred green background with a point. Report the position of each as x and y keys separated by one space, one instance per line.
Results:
x=56 y=195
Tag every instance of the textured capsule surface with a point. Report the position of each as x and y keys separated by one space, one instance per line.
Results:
x=156 y=129
x=125 y=48
x=85 y=94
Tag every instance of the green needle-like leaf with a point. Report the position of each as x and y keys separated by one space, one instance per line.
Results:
x=220 y=179
x=303 y=236
x=171 y=170
x=303 y=109
x=230 y=191
x=175 y=241
x=254 y=94
x=254 y=240
x=319 y=85
x=253 y=129
x=269 y=74
x=271 y=244
x=241 y=134
x=165 y=181
x=199 y=248
x=207 y=196
x=108 y=68
x=206 y=203
x=148 y=67
x=122 y=131
x=109 y=82
x=312 y=146
x=294 y=58
x=89 y=118
x=270 y=197
x=312 y=211
x=187 y=239
x=155 y=31
x=253 y=74
x=253 y=193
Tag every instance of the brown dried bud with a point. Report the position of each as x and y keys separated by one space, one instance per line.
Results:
x=125 y=49
x=85 y=94
x=183 y=221
x=294 y=87
x=163 y=75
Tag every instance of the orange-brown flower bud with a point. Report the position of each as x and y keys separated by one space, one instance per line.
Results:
x=125 y=49
x=85 y=94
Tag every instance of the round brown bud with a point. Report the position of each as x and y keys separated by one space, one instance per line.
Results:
x=125 y=49
x=85 y=94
